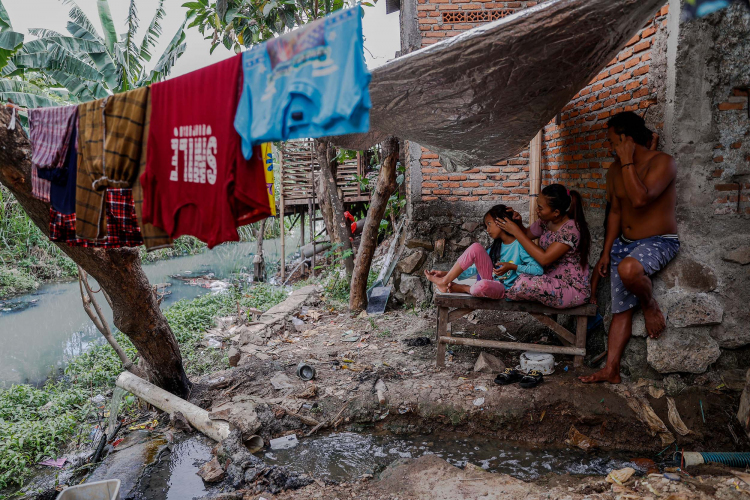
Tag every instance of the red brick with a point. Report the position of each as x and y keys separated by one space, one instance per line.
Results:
x=457 y=177
x=441 y=191
x=607 y=103
x=616 y=69
x=623 y=77
x=631 y=85
x=664 y=10
x=640 y=47
x=727 y=187
x=646 y=57
x=740 y=92
x=430 y=184
x=640 y=93
x=429 y=198
x=641 y=71
x=439 y=178
x=648 y=32
x=632 y=62
x=718 y=172
x=728 y=106
x=633 y=41
x=624 y=54
x=470 y=184
x=736 y=145
x=718 y=159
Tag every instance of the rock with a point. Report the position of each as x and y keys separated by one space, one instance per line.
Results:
x=743 y=414
x=734 y=331
x=487 y=363
x=419 y=243
x=470 y=226
x=412 y=289
x=689 y=274
x=734 y=380
x=682 y=350
x=635 y=363
x=234 y=356
x=211 y=472
x=738 y=256
x=440 y=247
x=412 y=262
x=251 y=474
x=179 y=422
x=225 y=323
x=240 y=414
x=674 y=385
x=696 y=310
x=281 y=381
x=464 y=243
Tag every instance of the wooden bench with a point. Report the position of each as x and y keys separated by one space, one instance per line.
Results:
x=452 y=306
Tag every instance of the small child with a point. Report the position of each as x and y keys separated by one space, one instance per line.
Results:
x=505 y=255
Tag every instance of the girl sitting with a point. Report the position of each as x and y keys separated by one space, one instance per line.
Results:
x=563 y=250
x=509 y=257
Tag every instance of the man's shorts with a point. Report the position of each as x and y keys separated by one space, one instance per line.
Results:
x=653 y=253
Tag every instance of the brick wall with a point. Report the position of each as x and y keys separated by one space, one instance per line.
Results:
x=575 y=152
x=731 y=180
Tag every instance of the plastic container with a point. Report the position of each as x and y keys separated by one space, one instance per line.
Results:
x=99 y=490
x=305 y=371
x=542 y=362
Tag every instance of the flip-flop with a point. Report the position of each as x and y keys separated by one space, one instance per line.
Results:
x=531 y=379
x=509 y=376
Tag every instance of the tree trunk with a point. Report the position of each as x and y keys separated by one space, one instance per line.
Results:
x=378 y=202
x=325 y=206
x=135 y=308
x=326 y=158
x=259 y=261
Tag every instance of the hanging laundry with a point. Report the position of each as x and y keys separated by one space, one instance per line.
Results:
x=62 y=193
x=701 y=8
x=266 y=150
x=122 y=225
x=49 y=131
x=109 y=146
x=154 y=238
x=196 y=181
x=312 y=82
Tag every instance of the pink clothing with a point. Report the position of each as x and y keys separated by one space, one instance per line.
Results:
x=485 y=286
x=565 y=282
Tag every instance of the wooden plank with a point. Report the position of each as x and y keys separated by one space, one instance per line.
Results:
x=464 y=300
x=567 y=337
x=581 y=331
x=458 y=313
x=511 y=346
x=442 y=333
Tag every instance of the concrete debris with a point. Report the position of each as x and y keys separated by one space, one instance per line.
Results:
x=284 y=443
x=689 y=350
x=234 y=356
x=241 y=415
x=487 y=363
x=412 y=262
x=738 y=256
x=281 y=381
x=696 y=310
x=419 y=243
x=212 y=472
x=179 y=422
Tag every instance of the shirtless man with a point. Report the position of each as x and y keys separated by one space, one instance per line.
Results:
x=641 y=236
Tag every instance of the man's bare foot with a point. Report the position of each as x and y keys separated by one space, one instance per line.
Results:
x=458 y=288
x=655 y=322
x=440 y=283
x=603 y=375
x=436 y=273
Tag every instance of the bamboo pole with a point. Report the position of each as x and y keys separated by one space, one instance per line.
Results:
x=512 y=346
x=281 y=215
x=535 y=174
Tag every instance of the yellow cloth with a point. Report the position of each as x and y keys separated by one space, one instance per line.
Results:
x=267 y=151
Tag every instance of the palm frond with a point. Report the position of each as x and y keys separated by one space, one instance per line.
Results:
x=69 y=43
x=168 y=59
x=81 y=21
x=43 y=32
x=132 y=60
x=108 y=25
x=153 y=33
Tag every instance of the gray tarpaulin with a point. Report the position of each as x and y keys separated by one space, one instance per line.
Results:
x=480 y=97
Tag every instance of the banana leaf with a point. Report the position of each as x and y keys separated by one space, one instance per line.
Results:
x=108 y=25
x=153 y=32
x=28 y=100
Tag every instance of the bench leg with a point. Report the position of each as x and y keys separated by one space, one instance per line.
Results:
x=442 y=331
x=581 y=329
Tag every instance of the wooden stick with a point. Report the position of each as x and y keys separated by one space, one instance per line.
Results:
x=513 y=346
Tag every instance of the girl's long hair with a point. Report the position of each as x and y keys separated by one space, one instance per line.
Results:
x=569 y=203
x=497 y=212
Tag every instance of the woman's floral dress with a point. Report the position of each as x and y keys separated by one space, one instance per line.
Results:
x=565 y=283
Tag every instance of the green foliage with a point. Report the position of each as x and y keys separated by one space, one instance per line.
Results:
x=88 y=65
x=238 y=23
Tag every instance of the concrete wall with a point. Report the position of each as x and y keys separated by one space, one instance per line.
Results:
x=693 y=77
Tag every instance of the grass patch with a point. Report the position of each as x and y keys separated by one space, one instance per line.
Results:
x=36 y=423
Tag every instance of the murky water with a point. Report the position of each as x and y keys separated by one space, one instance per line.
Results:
x=42 y=331
x=345 y=456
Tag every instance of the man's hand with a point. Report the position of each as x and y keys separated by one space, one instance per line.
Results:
x=603 y=265
x=502 y=268
x=625 y=149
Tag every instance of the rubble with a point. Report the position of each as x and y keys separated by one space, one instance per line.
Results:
x=487 y=363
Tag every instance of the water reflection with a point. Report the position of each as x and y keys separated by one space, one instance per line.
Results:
x=41 y=332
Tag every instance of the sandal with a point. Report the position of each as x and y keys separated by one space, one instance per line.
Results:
x=531 y=379
x=509 y=376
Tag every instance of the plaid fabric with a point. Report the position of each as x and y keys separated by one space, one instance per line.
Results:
x=153 y=237
x=39 y=187
x=49 y=132
x=122 y=226
x=109 y=149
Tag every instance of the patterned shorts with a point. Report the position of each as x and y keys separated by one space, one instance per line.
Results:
x=653 y=253
x=122 y=226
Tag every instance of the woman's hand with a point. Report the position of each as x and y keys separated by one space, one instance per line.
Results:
x=625 y=149
x=501 y=268
x=508 y=226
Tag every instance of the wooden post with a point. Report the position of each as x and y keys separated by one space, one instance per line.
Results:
x=581 y=331
x=259 y=265
x=442 y=331
x=281 y=214
x=535 y=174
x=302 y=229
x=311 y=209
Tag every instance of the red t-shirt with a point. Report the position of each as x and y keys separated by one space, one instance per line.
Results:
x=196 y=180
